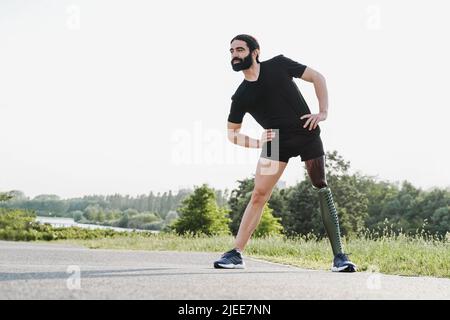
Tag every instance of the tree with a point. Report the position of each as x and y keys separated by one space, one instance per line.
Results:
x=238 y=202
x=434 y=206
x=441 y=221
x=269 y=225
x=77 y=215
x=47 y=197
x=163 y=205
x=17 y=195
x=277 y=201
x=151 y=202
x=171 y=216
x=302 y=215
x=378 y=194
x=5 y=196
x=123 y=222
x=91 y=212
x=222 y=197
x=199 y=214
x=351 y=204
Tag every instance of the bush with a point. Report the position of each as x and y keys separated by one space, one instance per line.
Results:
x=269 y=225
x=200 y=214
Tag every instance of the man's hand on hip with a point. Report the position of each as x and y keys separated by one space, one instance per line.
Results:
x=313 y=119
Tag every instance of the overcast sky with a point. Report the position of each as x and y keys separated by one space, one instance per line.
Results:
x=101 y=97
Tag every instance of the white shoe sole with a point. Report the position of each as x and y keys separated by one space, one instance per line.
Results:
x=230 y=266
x=340 y=269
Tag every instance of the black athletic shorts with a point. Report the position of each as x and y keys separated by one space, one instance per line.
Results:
x=286 y=145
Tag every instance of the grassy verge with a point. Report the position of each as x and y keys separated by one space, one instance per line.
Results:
x=401 y=255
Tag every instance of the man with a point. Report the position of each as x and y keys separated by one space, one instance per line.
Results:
x=270 y=95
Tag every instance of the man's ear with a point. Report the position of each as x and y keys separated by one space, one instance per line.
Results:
x=255 y=53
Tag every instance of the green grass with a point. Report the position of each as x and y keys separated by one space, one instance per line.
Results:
x=400 y=255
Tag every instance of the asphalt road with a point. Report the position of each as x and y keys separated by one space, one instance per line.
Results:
x=55 y=271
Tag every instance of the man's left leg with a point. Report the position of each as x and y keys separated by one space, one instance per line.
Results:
x=316 y=172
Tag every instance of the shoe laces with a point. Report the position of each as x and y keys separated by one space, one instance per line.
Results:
x=343 y=255
x=230 y=252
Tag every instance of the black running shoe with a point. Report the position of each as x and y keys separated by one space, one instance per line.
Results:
x=230 y=260
x=341 y=263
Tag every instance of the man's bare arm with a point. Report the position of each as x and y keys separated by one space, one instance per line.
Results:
x=320 y=86
x=240 y=139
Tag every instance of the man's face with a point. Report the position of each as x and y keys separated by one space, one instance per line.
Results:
x=241 y=58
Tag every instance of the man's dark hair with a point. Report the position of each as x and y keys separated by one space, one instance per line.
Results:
x=252 y=43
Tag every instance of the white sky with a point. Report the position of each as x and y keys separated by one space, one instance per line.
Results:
x=132 y=96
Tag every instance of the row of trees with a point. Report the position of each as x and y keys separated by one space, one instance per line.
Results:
x=49 y=204
x=141 y=212
x=362 y=203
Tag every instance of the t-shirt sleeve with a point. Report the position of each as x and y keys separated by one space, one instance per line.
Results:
x=237 y=112
x=293 y=68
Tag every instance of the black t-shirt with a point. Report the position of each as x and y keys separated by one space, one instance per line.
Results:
x=274 y=100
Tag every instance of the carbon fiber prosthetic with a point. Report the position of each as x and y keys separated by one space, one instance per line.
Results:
x=316 y=172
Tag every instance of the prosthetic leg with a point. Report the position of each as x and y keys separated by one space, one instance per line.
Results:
x=316 y=172
x=330 y=218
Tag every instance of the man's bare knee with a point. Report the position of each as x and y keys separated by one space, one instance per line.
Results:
x=319 y=184
x=259 y=197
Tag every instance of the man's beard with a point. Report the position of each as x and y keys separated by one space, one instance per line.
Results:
x=243 y=64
